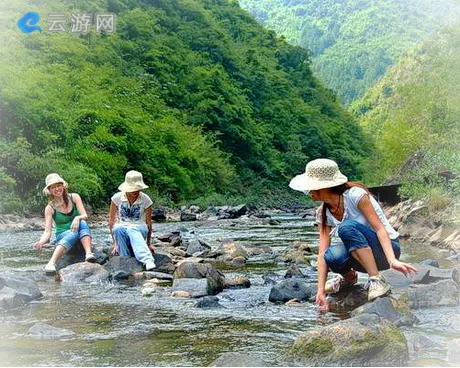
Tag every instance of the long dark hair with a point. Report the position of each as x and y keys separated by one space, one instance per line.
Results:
x=339 y=189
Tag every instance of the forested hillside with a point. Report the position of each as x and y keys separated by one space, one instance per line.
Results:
x=353 y=42
x=194 y=94
x=413 y=116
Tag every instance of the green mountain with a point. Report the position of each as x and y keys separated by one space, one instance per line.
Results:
x=194 y=94
x=413 y=117
x=353 y=42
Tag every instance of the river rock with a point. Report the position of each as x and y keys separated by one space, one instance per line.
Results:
x=419 y=345
x=294 y=271
x=430 y=262
x=158 y=214
x=208 y=302
x=237 y=282
x=157 y=275
x=226 y=212
x=83 y=272
x=148 y=291
x=364 y=340
x=234 y=250
x=292 y=289
x=194 y=246
x=441 y=293
x=297 y=255
x=390 y=309
x=173 y=238
x=181 y=294
x=195 y=287
x=127 y=265
x=232 y=359
x=200 y=271
x=17 y=291
x=43 y=331
x=187 y=216
x=163 y=261
x=398 y=280
x=348 y=299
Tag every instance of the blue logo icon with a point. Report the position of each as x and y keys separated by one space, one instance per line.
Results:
x=27 y=23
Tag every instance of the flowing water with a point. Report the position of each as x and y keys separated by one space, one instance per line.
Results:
x=116 y=326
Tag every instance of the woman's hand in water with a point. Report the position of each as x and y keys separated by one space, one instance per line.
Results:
x=321 y=302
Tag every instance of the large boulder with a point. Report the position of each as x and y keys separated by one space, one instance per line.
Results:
x=292 y=289
x=193 y=270
x=17 y=291
x=364 y=340
x=83 y=272
x=390 y=309
x=125 y=265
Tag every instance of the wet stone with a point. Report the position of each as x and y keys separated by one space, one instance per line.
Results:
x=208 y=302
x=43 y=331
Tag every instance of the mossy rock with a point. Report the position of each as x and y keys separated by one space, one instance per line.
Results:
x=364 y=340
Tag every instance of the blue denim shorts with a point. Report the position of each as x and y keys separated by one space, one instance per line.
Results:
x=354 y=235
x=69 y=238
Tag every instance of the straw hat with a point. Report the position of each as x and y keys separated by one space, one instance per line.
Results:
x=319 y=174
x=53 y=179
x=133 y=182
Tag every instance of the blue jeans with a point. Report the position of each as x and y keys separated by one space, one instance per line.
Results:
x=354 y=235
x=69 y=238
x=132 y=238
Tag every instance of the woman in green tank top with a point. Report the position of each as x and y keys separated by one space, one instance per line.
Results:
x=69 y=216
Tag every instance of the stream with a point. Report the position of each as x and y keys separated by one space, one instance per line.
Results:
x=116 y=326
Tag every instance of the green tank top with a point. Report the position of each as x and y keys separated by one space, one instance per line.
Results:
x=63 y=221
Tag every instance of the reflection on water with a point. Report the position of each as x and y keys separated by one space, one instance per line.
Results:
x=116 y=326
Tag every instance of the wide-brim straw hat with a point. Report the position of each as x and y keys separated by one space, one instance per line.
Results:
x=53 y=179
x=133 y=182
x=319 y=174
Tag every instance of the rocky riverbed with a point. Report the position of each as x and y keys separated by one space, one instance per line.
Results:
x=226 y=291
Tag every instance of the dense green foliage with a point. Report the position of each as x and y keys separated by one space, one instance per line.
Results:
x=353 y=42
x=413 y=116
x=194 y=94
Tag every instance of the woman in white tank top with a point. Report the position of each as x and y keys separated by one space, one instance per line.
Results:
x=355 y=234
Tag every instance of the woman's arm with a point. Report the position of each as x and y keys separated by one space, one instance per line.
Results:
x=81 y=210
x=367 y=209
x=112 y=218
x=323 y=269
x=47 y=233
x=148 y=221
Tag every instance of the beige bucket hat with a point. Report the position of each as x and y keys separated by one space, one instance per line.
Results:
x=319 y=174
x=53 y=179
x=133 y=182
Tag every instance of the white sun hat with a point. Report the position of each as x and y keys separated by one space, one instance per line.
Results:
x=53 y=179
x=319 y=174
x=133 y=182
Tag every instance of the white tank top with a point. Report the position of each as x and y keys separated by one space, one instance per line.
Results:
x=351 y=198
